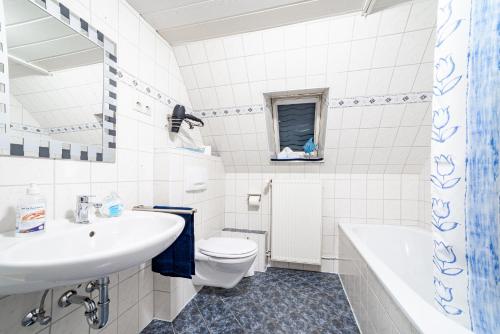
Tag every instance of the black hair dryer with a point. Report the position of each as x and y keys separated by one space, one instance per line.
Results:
x=179 y=115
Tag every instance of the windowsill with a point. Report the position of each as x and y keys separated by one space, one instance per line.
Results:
x=297 y=160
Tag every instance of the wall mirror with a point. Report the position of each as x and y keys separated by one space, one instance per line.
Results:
x=57 y=84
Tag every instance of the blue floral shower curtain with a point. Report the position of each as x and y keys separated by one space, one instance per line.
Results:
x=465 y=163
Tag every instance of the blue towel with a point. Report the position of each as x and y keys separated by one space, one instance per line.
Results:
x=178 y=259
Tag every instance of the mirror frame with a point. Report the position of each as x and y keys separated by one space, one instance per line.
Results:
x=58 y=149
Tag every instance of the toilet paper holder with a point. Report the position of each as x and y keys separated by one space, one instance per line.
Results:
x=251 y=195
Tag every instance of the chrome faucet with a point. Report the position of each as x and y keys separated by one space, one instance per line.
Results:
x=83 y=204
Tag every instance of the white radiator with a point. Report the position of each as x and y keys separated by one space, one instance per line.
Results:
x=296 y=221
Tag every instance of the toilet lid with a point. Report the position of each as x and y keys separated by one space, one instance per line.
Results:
x=226 y=246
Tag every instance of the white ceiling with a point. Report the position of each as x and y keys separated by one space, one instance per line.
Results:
x=192 y=20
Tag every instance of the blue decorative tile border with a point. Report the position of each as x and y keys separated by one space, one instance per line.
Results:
x=240 y=110
x=357 y=101
x=56 y=130
x=363 y=101
x=147 y=89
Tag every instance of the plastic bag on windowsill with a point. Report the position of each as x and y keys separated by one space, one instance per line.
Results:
x=288 y=153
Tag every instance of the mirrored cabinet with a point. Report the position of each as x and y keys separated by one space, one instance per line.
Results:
x=58 y=84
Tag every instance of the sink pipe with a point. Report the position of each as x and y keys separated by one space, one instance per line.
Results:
x=37 y=315
x=97 y=314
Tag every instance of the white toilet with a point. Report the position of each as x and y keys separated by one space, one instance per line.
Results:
x=222 y=262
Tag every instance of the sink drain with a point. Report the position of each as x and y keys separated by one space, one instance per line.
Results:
x=91 y=234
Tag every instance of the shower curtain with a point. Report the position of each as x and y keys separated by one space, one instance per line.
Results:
x=465 y=163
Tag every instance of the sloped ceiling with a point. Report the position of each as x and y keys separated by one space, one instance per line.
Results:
x=387 y=53
x=191 y=20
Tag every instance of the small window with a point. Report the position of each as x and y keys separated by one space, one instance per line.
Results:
x=296 y=121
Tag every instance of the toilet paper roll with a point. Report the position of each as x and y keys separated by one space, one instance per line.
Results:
x=254 y=200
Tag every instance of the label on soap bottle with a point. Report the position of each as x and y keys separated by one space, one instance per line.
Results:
x=31 y=218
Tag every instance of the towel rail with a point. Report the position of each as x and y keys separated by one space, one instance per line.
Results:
x=152 y=209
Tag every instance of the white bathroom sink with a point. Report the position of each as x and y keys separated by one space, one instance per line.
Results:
x=68 y=253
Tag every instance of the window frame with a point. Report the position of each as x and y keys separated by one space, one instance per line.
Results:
x=296 y=100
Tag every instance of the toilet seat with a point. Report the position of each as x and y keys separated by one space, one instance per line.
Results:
x=223 y=262
x=229 y=248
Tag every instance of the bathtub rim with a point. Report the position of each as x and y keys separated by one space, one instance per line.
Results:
x=419 y=312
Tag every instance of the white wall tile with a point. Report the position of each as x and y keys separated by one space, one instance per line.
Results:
x=256 y=92
x=413 y=47
x=221 y=73
x=256 y=67
x=362 y=156
x=366 y=138
x=27 y=171
x=361 y=54
x=386 y=51
x=237 y=70
x=423 y=80
x=197 y=52
x=128 y=22
x=379 y=81
x=406 y=136
x=242 y=94
x=317 y=33
x=252 y=43
x=295 y=36
x=403 y=79
x=392 y=209
x=357 y=82
x=380 y=155
x=392 y=114
x=295 y=62
x=338 y=84
x=317 y=60
x=203 y=75
x=348 y=138
x=146 y=311
x=189 y=77
x=366 y=26
x=73 y=323
x=273 y=40
x=233 y=45
x=225 y=96
x=422 y=15
x=128 y=322
x=182 y=55
x=214 y=49
x=147 y=37
x=341 y=29
x=338 y=57
x=351 y=118
x=371 y=117
x=394 y=19
x=209 y=98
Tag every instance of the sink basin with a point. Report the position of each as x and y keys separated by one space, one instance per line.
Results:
x=68 y=253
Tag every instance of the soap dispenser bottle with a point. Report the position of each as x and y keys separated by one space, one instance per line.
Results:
x=31 y=212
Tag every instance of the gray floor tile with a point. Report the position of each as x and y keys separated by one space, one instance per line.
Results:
x=278 y=301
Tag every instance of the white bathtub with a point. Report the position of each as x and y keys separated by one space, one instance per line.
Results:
x=386 y=272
